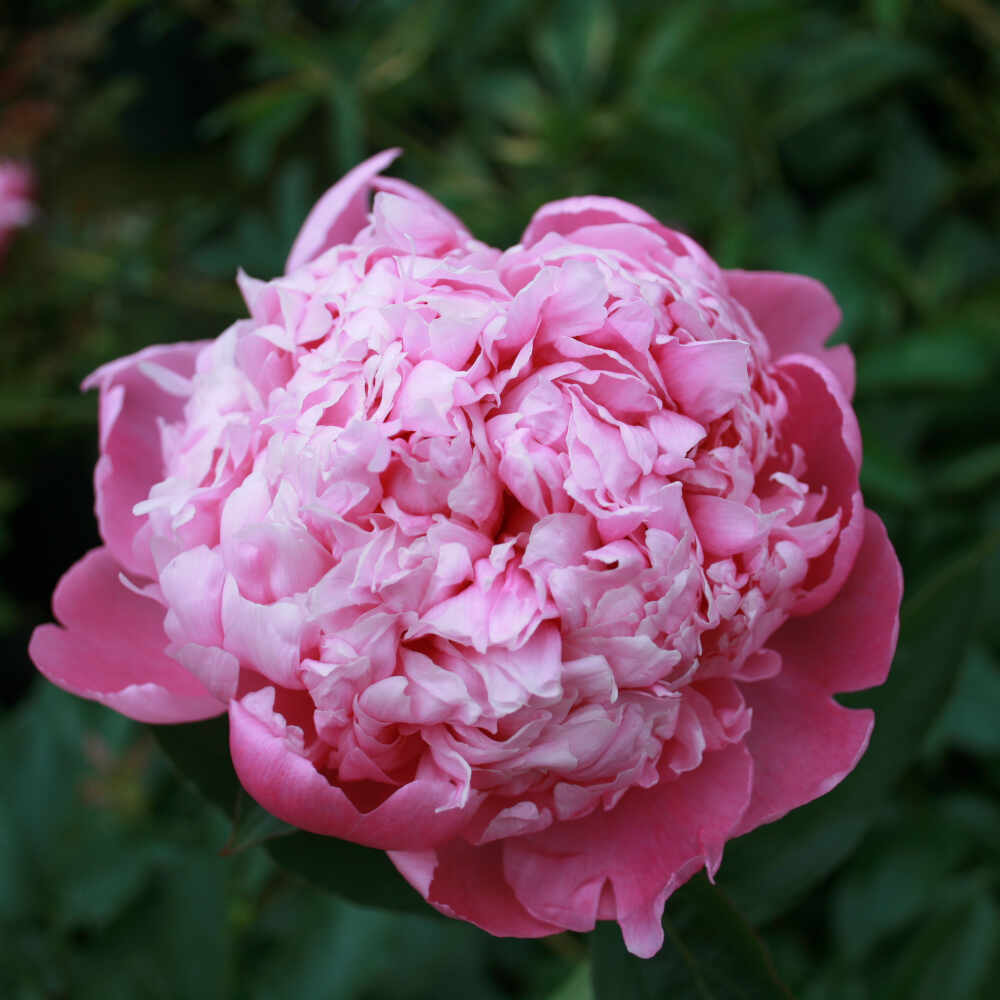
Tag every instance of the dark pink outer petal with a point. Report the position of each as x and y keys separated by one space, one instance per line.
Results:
x=131 y=407
x=340 y=214
x=287 y=785
x=849 y=644
x=469 y=883
x=804 y=743
x=621 y=864
x=821 y=422
x=796 y=314
x=111 y=648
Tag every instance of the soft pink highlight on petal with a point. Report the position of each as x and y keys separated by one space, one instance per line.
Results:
x=110 y=648
x=707 y=377
x=397 y=186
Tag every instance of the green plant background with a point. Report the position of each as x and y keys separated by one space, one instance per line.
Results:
x=856 y=142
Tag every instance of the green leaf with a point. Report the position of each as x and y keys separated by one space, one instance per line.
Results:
x=360 y=874
x=575 y=46
x=709 y=953
x=974 y=470
x=950 y=958
x=579 y=986
x=253 y=825
x=970 y=718
x=193 y=942
x=895 y=884
x=855 y=68
x=200 y=751
x=924 y=361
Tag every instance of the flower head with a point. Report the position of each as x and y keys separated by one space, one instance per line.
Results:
x=536 y=568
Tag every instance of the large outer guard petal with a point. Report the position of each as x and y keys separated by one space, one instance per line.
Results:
x=620 y=864
x=110 y=648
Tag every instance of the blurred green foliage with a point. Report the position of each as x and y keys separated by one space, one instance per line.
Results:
x=858 y=142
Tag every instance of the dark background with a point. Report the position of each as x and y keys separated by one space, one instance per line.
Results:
x=175 y=141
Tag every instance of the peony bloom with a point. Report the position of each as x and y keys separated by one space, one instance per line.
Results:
x=537 y=569
x=17 y=207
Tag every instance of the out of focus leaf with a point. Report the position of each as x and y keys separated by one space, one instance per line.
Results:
x=667 y=41
x=262 y=118
x=895 y=885
x=888 y=475
x=579 y=986
x=709 y=953
x=924 y=362
x=972 y=471
x=575 y=46
x=771 y=869
x=334 y=950
x=855 y=67
x=101 y=890
x=192 y=942
x=200 y=751
x=360 y=874
x=253 y=825
x=950 y=958
x=404 y=47
x=971 y=718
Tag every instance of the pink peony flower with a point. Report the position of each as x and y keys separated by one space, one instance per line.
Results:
x=17 y=201
x=537 y=569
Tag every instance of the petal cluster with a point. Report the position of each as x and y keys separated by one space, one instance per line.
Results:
x=536 y=568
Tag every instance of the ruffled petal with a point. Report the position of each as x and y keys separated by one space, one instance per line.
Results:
x=110 y=648
x=340 y=214
x=133 y=405
x=849 y=644
x=621 y=864
x=796 y=314
x=821 y=422
x=287 y=784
